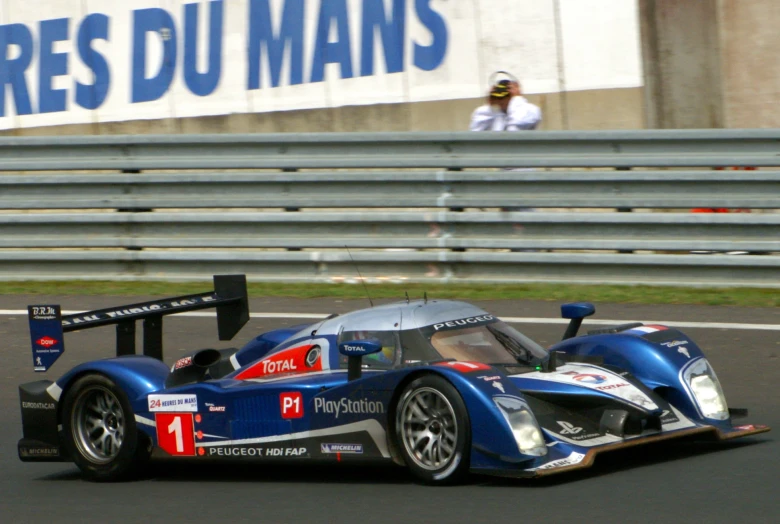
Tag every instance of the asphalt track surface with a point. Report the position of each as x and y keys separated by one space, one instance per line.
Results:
x=682 y=482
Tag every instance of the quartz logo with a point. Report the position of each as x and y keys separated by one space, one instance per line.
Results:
x=348 y=407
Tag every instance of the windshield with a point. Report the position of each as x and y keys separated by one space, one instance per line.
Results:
x=490 y=343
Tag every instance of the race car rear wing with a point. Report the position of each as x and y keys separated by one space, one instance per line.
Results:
x=48 y=325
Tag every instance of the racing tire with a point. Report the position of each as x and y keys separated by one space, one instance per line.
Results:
x=100 y=433
x=432 y=430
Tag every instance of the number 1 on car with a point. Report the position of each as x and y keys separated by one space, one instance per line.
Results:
x=176 y=433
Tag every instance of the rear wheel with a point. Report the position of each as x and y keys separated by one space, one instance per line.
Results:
x=433 y=431
x=100 y=430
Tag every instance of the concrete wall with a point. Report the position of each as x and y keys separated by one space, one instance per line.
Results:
x=681 y=63
x=750 y=43
x=711 y=63
x=597 y=109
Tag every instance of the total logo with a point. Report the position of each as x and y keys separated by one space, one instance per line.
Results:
x=587 y=378
x=278 y=366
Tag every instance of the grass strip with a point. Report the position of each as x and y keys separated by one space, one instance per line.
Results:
x=746 y=297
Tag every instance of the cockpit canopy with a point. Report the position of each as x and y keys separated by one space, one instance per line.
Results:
x=481 y=338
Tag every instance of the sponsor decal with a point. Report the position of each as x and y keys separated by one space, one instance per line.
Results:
x=46 y=342
x=684 y=351
x=464 y=322
x=278 y=366
x=47 y=451
x=574 y=432
x=573 y=458
x=178 y=403
x=38 y=405
x=217 y=451
x=747 y=427
x=291 y=405
x=674 y=343
x=352 y=349
x=176 y=433
x=594 y=377
x=588 y=378
x=182 y=363
x=611 y=386
x=46 y=336
x=499 y=386
x=348 y=407
x=668 y=417
x=150 y=308
x=569 y=429
x=342 y=448
x=465 y=367
x=299 y=359
x=212 y=408
x=489 y=379
x=645 y=330
x=43 y=312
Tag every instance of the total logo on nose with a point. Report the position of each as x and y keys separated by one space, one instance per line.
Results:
x=588 y=378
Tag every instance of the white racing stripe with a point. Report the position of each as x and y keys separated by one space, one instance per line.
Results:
x=371 y=426
x=510 y=320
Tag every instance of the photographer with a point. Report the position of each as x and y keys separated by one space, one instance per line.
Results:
x=506 y=110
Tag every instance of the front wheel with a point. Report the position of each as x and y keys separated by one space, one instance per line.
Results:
x=433 y=431
x=100 y=430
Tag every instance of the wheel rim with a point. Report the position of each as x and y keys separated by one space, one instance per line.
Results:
x=429 y=429
x=98 y=425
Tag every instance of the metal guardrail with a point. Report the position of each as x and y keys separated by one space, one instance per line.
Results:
x=416 y=189
x=392 y=198
x=627 y=149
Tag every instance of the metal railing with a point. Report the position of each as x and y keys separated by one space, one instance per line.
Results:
x=409 y=206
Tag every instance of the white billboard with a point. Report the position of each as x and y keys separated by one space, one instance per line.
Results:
x=83 y=61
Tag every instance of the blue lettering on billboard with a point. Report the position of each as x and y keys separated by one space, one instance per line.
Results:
x=12 y=69
x=272 y=43
x=94 y=27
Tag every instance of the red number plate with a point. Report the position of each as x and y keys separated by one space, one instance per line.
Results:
x=291 y=405
x=176 y=433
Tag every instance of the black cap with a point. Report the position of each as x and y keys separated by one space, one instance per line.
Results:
x=499 y=91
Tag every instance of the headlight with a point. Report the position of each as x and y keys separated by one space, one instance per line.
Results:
x=523 y=424
x=707 y=391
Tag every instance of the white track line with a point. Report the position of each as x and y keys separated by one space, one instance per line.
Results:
x=511 y=320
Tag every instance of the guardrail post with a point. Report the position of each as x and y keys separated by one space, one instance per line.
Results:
x=291 y=209
x=625 y=210
x=131 y=210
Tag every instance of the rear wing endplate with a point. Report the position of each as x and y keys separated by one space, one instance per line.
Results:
x=48 y=325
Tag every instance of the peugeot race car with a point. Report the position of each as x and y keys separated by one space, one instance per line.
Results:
x=441 y=387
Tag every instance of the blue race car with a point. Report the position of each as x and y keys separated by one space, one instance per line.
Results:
x=441 y=387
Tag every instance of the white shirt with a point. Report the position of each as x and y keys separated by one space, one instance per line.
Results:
x=520 y=115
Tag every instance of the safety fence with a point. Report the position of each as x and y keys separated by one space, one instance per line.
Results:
x=410 y=207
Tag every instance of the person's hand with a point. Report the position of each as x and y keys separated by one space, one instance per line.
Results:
x=514 y=89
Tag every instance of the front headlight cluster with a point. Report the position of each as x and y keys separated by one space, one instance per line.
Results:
x=706 y=390
x=523 y=424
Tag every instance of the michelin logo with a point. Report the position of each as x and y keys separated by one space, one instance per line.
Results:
x=342 y=448
x=349 y=407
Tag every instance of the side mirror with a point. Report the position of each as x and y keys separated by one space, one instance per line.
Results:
x=355 y=350
x=576 y=311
